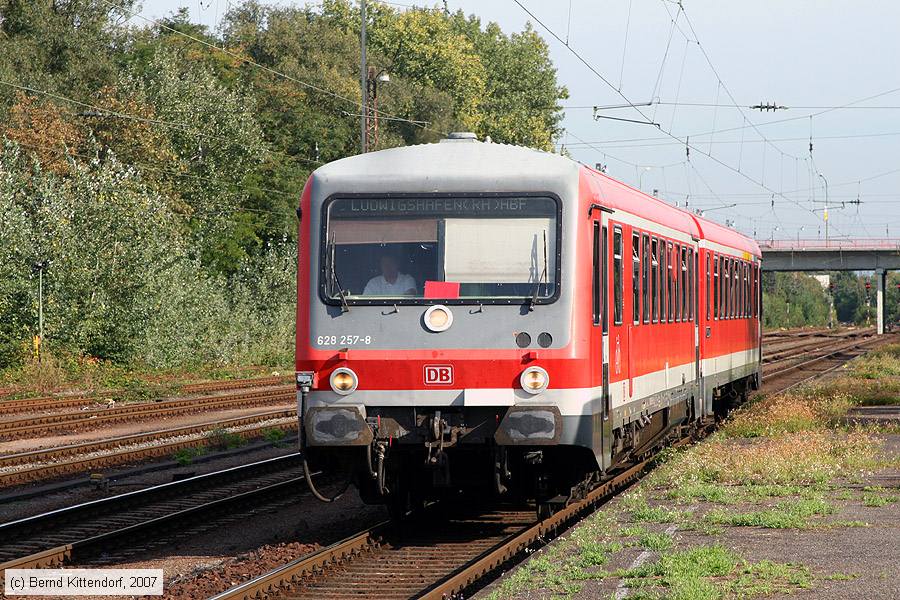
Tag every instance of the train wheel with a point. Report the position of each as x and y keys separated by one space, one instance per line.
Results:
x=544 y=510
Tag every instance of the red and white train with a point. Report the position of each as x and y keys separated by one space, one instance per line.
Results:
x=479 y=314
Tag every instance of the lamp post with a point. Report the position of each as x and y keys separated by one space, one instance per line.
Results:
x=825 y=213
x=373 y=78
x=39 y=267
x=641 y=177
x=362 y=74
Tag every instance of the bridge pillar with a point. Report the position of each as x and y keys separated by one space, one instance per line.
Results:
x=881 y=274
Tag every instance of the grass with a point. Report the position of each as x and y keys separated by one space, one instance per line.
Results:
x=66 y=372
x=710 y=573
x=275 y=436
x=657 y=541
x=222 y=439
x=880 y=364
x=788 y=514
x=878 y=500
x=186 y=456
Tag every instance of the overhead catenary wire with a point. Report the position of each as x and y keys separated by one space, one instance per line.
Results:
x=649 y=121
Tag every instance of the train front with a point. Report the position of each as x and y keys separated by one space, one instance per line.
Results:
x=437 y=344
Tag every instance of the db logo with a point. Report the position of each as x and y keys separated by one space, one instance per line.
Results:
x=438 y=374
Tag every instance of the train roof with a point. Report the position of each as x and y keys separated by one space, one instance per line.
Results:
x=447 y=165
x=464 y=161
x=619 y=195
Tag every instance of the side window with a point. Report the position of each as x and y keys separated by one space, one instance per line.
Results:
x=617 y=276
x=748 y=290
x=604 y=279
x=672 y=266
x=732 y=288
x=726 y=282
x=654 y=293
x=723 y=311
x=714 y=300
x=692 y=281
x=685 y=290
x=645 y=277
x=729 y=289
x=746 y=304
x=744 y=292
x=663 y=282
x=595 y=274
x=680 y=313
x=636 y=278
x=755 y=291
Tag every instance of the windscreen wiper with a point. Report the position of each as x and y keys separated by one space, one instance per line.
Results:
x=537 y=284
x=333 y=280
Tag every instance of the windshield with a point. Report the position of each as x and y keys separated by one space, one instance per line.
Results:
x=404 y=249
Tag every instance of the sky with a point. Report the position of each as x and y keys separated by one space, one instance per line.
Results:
x=701 y=66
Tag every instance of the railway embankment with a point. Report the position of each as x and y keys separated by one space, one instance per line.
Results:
x=797 y=494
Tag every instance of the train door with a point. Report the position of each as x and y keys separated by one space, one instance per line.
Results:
x=604 y=292
x=695 y=280
x=618 y=329
x=602 y=431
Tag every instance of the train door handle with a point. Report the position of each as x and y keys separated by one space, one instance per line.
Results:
x=708 y=331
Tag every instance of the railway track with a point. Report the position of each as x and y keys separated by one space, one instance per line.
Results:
x=22 y=405
x=37 y=426
x=443 y=557
x=37 y=465
x=789 y=373
x=79 y=532
x=796 y=348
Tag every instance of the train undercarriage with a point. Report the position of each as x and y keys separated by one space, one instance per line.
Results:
x=405 y=457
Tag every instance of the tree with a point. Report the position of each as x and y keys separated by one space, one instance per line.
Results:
x=793 y=300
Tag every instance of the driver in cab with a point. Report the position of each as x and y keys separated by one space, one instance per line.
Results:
x=391 y=282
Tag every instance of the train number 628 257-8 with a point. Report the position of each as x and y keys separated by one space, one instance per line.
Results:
x=343 y=340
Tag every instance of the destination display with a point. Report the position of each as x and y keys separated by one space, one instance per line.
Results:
x=492 y=206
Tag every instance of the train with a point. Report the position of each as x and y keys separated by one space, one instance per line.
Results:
x=481 y=316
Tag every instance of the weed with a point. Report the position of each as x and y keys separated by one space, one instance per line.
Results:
x=843 y=495
x=837 y=524
x=713 y=572
x=275 y=436
x=767 y=577
x=708 y=492
x=641 y=512
x=841 y=577
x=792 y=514
x=632 y=531
x=878 y=500
x=878 y=365
x=656 y=541
x=222 y=439
x=186 y=456
x=704 y=527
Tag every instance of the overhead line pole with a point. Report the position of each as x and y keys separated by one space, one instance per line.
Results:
x=363 y=74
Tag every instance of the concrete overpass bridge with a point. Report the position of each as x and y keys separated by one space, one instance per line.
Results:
x=879 y=255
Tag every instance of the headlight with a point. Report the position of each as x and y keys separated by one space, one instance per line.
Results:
x=343 y=381
x=534 y=380
x=438 y=318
